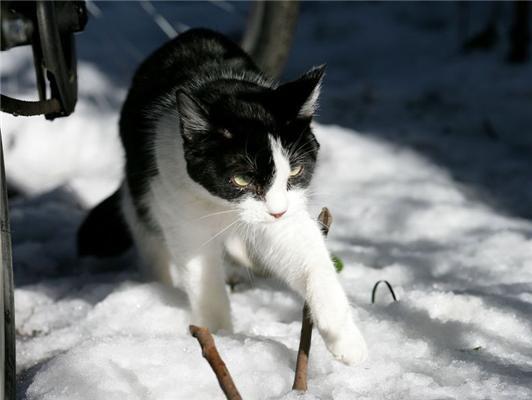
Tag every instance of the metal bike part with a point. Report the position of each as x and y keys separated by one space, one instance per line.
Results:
x=7 y=316
x=49 y=27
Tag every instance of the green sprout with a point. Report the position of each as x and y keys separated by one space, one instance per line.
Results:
x=338 y=263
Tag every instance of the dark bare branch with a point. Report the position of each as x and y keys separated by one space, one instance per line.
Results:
x=210 y=353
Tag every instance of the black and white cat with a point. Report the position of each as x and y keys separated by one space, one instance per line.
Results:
x=219 y=155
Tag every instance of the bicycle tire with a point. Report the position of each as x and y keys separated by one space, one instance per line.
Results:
x=269 y=34
x=7 y=317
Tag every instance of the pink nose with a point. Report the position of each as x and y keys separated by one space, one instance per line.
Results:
x=278 y=215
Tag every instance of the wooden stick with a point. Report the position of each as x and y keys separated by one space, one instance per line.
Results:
x=210 y=353
x=300 y=379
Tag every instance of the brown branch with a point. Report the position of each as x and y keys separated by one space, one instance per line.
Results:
x=300 y=379
x=210 y=353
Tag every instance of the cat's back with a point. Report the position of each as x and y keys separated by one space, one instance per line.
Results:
x=190 y=56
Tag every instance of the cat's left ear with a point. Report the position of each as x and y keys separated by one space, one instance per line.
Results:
x=192 y=115
x=300 y=97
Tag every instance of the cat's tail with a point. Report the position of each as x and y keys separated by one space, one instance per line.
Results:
x=104 y=232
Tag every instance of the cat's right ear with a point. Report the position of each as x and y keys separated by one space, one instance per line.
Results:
x=300 y=97
x=192 y=115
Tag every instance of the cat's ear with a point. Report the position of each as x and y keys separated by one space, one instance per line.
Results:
x=192 y=115
x=300 y=97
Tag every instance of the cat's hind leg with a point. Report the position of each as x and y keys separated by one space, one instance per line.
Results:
x=155 y=260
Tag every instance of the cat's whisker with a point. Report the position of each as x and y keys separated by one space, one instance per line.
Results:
x=250 y=276
x=320 y=194
x=300 y=148
x=303 y=145
x=217 y=213
x=322 y=200
x=218 y=234
x=296 y=143
x=301 y=155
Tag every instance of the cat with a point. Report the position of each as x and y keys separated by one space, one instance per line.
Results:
x=218 y=154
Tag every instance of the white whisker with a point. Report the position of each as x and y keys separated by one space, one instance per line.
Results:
x=320 y=194
x=218 y=234
x=218 y=213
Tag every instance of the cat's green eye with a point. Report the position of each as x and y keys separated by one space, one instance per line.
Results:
x=296 y=171
x=240 y=181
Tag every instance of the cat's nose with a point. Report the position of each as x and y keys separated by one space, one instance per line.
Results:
x=278 y=215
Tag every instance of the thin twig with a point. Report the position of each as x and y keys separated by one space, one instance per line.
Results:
x=209 y=351
x=300 y=379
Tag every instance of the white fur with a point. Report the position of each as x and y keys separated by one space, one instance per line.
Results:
x=192 y=114
x=195 y=225
x=236 y=248
x=277 y=196
x=310 y=106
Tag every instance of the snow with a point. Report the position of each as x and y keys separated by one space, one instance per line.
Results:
x=420 y=193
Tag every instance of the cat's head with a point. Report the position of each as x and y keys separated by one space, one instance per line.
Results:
x=252 y=145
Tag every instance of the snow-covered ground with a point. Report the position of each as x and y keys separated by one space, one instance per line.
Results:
x=426 y=165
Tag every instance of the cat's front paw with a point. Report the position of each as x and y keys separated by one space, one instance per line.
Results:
x=339 y=332
x=344 y=340
x=348 y=347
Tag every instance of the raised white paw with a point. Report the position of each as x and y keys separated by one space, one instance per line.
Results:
x=339 y=332
x=348 y=346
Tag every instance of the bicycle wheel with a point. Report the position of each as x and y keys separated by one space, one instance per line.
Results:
x=7 y=317
x=269 y=33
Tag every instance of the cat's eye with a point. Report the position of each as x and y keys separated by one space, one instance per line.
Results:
x=296 y=171
x=240 y=181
